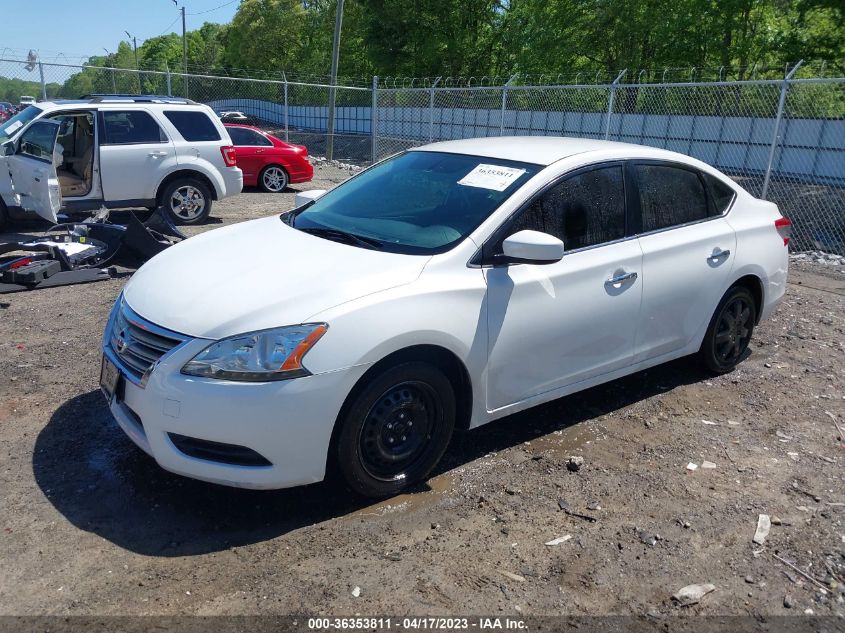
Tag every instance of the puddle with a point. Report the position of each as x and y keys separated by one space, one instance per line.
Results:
x=564 y=441
x=433 y=491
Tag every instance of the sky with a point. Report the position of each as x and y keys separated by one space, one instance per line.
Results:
x=70 y=31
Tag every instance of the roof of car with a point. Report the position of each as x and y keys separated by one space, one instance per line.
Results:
x=116 y=100
x=539 y=150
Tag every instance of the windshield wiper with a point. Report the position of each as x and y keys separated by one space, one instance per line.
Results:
x=342 y=236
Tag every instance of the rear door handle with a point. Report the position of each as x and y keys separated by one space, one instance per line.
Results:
x=719 y=254
x=157 y=154
x=620 y=279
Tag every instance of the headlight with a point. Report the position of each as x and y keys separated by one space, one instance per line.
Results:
x=258 y=356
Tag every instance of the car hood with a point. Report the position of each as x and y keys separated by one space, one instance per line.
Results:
x=257 y=275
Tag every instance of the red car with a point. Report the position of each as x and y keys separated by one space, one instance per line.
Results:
x=268 y=162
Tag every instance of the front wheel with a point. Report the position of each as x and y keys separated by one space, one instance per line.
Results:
x=273 y=179
x=396 y=429
x=186 y=201
x=730 y=330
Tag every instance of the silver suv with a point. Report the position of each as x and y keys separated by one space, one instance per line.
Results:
x=117 y=151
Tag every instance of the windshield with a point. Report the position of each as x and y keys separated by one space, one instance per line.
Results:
x=10 y=127
x=417 y=202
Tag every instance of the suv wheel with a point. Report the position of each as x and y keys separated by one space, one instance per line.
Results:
x=396 y=429
x=730 y=330
x=273 y=179
x=186 y=201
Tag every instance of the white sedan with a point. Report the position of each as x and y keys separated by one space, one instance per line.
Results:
x=445 y=287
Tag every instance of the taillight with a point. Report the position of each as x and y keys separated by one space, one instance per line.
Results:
x=784 y=229
x=229 y=156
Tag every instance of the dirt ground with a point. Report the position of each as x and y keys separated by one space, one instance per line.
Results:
x=91 y=525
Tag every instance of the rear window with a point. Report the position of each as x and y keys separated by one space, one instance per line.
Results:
x=193 y=125
x=670 y=196
x=723 y=195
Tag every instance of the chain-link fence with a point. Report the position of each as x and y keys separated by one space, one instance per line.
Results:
x=782 y=139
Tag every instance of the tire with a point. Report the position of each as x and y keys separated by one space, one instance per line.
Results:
x=379 y=452
x=273 y=179
x=730 y=331
x=193 y=207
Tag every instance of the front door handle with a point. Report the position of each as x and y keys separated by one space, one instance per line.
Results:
x=157 y=154
x=718 y=253
x=621 y=278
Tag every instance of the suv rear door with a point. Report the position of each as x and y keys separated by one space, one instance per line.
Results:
x=32 y=170
x=135 y=154
x=201 y=136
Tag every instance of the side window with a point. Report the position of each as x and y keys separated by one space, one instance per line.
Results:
x=38 y=141
x=723 y=195
x=194 y=126
x=584 y=210
x=131 y=127
x=669 y=196
x=242 y=136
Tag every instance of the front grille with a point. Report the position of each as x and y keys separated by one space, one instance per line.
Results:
x=138 y=343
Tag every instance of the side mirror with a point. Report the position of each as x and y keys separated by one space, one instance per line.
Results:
x=304 y=197
x=8 y=149
x=532 y=247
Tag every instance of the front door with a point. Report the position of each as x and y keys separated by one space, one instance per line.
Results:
x=32 y=170
x=557 y=324
x=251 y=150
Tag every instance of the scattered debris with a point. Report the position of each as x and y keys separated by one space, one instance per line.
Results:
x=783 y=436
x=764 y=524
x=709 y=423
x=564 y=505
x=574 y=463
x=836 y=424
x=794 y=568
x=691 y=466
x=788 y=602
x=691 y=594
x=708 y=465
x=594 y=506
x=776 y=520
x=356 y=592
x=749 y=580
x=559 y=540
x=512 y=576
x=813 y=496
x=648 y=539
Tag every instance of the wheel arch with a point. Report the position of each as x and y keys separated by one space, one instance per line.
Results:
x=754 y=285
x=439 y=356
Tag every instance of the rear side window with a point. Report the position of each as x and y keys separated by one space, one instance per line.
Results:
x=243 y=136
x=131 y=127
x=587 y=209
x=192 y=125
x=669 y=196
x=722 y=194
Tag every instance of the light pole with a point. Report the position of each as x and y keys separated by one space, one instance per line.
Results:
x=111 y=64
x=135 y=48
x=184 y=49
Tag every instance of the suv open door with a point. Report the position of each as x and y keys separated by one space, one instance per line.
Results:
x=33 y=172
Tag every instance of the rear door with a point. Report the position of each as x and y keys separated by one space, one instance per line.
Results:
x=688 y=252
x=201 y=139
x=32 y=170
x=135 y=154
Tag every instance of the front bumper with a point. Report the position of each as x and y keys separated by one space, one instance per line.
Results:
x=289 y=423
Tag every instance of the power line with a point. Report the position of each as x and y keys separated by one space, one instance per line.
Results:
x=225 y=4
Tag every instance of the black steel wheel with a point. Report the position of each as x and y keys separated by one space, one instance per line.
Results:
x=729 y=333
x=396 y=429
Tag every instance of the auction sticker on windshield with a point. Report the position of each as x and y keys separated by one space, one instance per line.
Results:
x=491 y=177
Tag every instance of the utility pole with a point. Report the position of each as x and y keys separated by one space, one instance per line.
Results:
x=184 y=49
x=338 y=21
x=135 y=49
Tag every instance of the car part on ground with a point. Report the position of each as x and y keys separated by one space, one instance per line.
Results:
x=81 y=252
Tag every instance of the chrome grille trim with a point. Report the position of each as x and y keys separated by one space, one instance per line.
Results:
x=139 y=345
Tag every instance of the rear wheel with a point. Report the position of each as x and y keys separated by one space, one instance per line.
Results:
x=186 y=201
x=273 y=179
x=730 y=330
x=396 y=429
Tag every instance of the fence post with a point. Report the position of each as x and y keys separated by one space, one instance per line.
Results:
x=431 y=110
x=781 y=103
x=43 y=83
x=505 y=103
x=610 y=101
x=287 y=128
x=374 y=120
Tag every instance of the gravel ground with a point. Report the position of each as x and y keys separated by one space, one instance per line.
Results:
x=90 y=525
